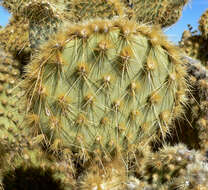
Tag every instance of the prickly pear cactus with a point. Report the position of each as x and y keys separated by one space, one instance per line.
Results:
x=203 y=24
x=163 y=12
x=103 y=86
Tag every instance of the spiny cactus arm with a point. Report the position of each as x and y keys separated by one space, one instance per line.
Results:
x=195 y=68
x=9 y=5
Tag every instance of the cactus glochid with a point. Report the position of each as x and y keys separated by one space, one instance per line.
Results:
x=102 y=87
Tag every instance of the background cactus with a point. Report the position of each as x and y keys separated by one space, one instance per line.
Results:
x=81 y=98
x=44 y=18
x=168 y=163
x=11 y=114
x=198 y=103
x=83 y=10
x=111 y=175
x=31 y=169
x=203 y=24
x=195 y=46
x=194 y=178
x=14 y=38
x=162 y=12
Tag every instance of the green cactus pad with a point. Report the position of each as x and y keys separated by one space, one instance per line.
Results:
x=104 y=86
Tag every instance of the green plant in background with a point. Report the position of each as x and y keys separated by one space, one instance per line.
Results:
x=102 y=87
x=44 y=19
x=84 y=10
x=46 y=16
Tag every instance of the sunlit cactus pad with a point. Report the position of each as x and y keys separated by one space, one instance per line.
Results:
x=104 y=86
